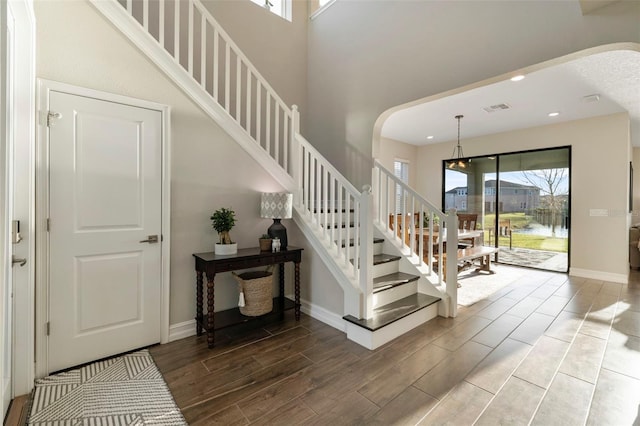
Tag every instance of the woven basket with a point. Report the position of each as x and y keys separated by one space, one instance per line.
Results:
x=257 y=287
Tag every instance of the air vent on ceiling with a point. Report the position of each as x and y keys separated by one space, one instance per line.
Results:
x=591 y=98
x=496 y=107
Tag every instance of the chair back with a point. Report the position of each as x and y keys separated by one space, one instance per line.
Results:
x=467 y=221
x=392 y=223
x=504 y=227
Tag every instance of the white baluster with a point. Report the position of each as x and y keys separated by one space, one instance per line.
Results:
x=312 y=187
x=238 y=89
x=276 y=138
x=216 y=64
x=203 y=52
x=190 y=31
x=285 y=145
x=145 y=15
x=161 y=23
x=258 y=112
x=248 y=113
x=227 y=75
x=176 y=31
x=268 y=123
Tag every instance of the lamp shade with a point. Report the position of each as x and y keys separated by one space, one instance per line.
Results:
x=276 y=205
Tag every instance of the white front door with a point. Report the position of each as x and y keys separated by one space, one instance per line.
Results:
x=105 y=198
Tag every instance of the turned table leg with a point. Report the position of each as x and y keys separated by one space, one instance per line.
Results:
x=281 y=288
x=210 y=308
x=199 y=301
x=297 y=290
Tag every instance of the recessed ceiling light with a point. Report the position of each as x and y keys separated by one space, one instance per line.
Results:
x=517 y=77
x=429 y=137
x=554 y=114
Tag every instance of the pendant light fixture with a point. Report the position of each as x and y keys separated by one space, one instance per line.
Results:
x=459 y=161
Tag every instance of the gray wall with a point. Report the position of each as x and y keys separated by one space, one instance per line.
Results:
x=368 y=56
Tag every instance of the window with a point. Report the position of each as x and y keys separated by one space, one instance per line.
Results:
x=401 y=170
x=279 y=7
x=316 y=7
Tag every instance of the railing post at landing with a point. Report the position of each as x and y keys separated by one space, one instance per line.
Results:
x=365 y=236
x=375 y=186
x=296 y=154
x=452 y=261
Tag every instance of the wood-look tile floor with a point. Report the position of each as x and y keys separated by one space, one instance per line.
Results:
x=548 y=349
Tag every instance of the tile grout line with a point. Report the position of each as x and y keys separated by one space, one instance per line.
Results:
x=555 y=374
x=615 y=313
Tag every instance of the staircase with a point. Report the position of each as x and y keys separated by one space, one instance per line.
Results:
x=389 y=280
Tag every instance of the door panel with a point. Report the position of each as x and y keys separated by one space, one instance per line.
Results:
x=96 y=154
x=105 y=198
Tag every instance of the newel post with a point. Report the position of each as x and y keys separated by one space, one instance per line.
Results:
x=366 y=250
x=452 y=262
x=296 y=155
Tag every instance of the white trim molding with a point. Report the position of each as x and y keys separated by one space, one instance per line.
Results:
x=322 y=314
x=181 y=330
x=24 y=189
x=599 y=275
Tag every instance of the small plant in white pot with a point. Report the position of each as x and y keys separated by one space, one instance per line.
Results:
x=223 y=220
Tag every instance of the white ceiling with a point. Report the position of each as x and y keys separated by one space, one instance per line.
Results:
x=614 y=76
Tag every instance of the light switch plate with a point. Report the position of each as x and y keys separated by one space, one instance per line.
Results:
x=598 y=212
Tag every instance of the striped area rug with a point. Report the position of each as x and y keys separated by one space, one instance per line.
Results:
x=124 y=391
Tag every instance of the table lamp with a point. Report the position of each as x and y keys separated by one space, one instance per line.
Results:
x=277 y=206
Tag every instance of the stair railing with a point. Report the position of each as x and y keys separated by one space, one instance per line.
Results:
x=195 y=41
x=339 y=214
x=418 y=227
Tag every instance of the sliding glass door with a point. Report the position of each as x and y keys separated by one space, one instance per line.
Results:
x=522 y=203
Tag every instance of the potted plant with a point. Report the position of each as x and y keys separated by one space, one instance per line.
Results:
x=265 y=242
x=436 y=222
x=223 y=220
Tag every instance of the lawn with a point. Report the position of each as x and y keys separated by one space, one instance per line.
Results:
x=528 y=241
x=518 y=220
x=534 y=242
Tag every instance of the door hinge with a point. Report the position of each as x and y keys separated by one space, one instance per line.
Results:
x=48 y=224
x=49 y=118
x=48 y=328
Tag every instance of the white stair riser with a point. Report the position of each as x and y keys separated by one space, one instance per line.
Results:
x=375 y=339
x=385 y=269
x=396 y=293
x=377 y=248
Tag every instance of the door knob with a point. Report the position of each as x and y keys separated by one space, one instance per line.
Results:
x=15 y=260
x=151 y=239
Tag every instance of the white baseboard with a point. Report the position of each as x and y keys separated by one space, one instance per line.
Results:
x=322 y=314
x=188 y=328
x=181 y=330
x=599 y=275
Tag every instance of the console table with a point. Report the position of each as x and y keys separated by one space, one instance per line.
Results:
x=211 y=264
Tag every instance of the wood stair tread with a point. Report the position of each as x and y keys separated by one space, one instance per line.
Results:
x=395 y=279
x=379 y=259
x=387 y=314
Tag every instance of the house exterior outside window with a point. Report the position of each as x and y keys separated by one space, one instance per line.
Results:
x=401 y=171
